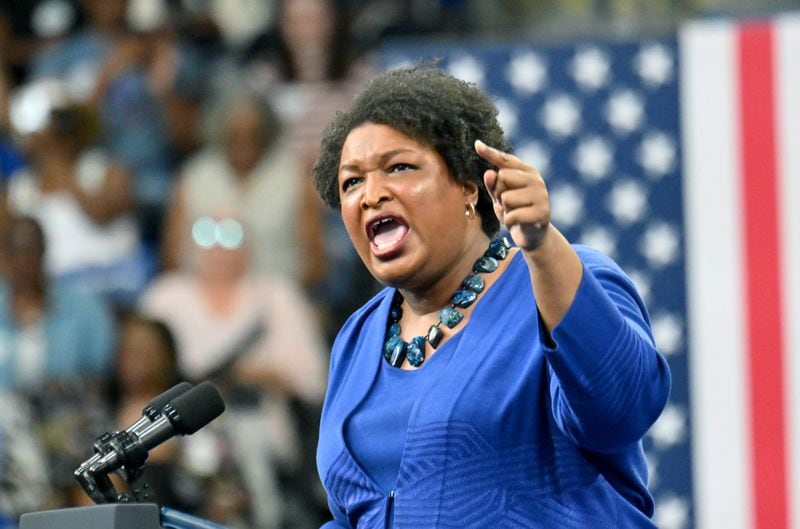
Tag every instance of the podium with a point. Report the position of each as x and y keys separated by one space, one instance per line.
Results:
x=114 y=516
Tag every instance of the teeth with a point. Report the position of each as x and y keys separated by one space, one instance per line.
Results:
x=387 y=245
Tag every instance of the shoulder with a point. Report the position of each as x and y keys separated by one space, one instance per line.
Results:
x=608 y=278
x=592 y=258
x=601 y=265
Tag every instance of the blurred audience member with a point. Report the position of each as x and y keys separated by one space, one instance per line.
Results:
x=56 y=347
x=312 y=66
x=49 y=333
x=245 y=169
x=26 y=25
x=24 y=479
x=83 y=200
x=240 y=21
x=105 y=64
x=256 y=336
x=147 y=365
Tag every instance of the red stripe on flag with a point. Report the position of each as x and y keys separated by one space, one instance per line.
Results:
x=760 y=205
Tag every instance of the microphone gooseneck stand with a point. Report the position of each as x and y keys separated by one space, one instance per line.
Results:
x=182 y=410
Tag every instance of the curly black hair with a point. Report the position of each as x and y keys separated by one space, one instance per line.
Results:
x=429 y=106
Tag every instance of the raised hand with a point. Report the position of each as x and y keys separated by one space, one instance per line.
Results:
x=519 y=195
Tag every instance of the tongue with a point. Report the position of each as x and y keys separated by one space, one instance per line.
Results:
x=389 y=235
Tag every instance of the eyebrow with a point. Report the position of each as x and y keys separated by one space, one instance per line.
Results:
x=383 y=158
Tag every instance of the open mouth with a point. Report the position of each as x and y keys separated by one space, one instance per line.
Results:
x=385 y=233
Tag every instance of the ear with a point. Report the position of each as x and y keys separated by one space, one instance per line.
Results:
x=470 y=191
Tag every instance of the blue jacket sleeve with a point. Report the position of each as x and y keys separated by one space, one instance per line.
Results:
x=608 y=383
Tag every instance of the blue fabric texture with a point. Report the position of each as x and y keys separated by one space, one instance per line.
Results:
x=519 y=430
x=376 y=432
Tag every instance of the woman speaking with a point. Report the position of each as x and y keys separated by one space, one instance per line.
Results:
x=490 y=384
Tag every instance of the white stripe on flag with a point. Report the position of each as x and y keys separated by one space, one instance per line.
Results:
x=788 y=84
x=710 y=117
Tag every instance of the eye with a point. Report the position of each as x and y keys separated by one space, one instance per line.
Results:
x=399 y=167
x=347 y=183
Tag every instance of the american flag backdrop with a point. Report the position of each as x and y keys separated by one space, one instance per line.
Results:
x=679 y=156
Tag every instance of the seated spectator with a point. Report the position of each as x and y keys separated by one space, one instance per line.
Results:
x=146 y=366
x=56 y=346
x=256 y=336
x=246 y=169
x=105 y=64
x=49 y=333
x=311 y=66
x=83 y=200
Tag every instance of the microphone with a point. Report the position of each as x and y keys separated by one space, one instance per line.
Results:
x=184 y=415
x=149 y=414
x=153 y=409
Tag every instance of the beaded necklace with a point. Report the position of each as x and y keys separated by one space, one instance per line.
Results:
x=396 y=350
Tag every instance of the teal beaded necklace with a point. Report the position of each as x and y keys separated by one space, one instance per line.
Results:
x=396 y=350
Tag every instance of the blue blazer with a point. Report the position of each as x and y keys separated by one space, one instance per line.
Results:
x=524 y=430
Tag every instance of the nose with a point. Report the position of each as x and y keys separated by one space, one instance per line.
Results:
x=375 y=192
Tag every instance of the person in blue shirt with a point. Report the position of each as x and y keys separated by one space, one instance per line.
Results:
x=49 y=333
x=491 y=383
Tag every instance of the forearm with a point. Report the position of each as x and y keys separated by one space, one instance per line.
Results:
x=556 y=272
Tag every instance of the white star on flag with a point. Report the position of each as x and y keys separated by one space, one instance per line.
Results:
x=593 y=158
x=659 y=244
x=668 y=332
x=561 y=115
x=536 y=154
x=527 y=73
x=507 y=115
x=600 y=239
x=670 y=428
x=590 y=68
x=566 y=205
x=657 y=154
x=672 y=512
x=467 y=69
x=642 y=282
x=654 y=64
x=625 y=111
x=627 y=201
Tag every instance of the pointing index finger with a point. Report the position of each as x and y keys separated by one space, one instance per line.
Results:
x=500 y=159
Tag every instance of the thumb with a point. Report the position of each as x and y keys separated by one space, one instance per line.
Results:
x=490 y=181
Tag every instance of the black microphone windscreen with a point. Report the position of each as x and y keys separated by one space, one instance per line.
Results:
x=172 y=393
x=195 y=408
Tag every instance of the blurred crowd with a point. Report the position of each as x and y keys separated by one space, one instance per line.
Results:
x=158 y=224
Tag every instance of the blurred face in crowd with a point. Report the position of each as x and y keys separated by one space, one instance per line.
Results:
x=307 y=23
x=245 y=138
x=144 y=360
x=106 y=15
x=220 y=248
